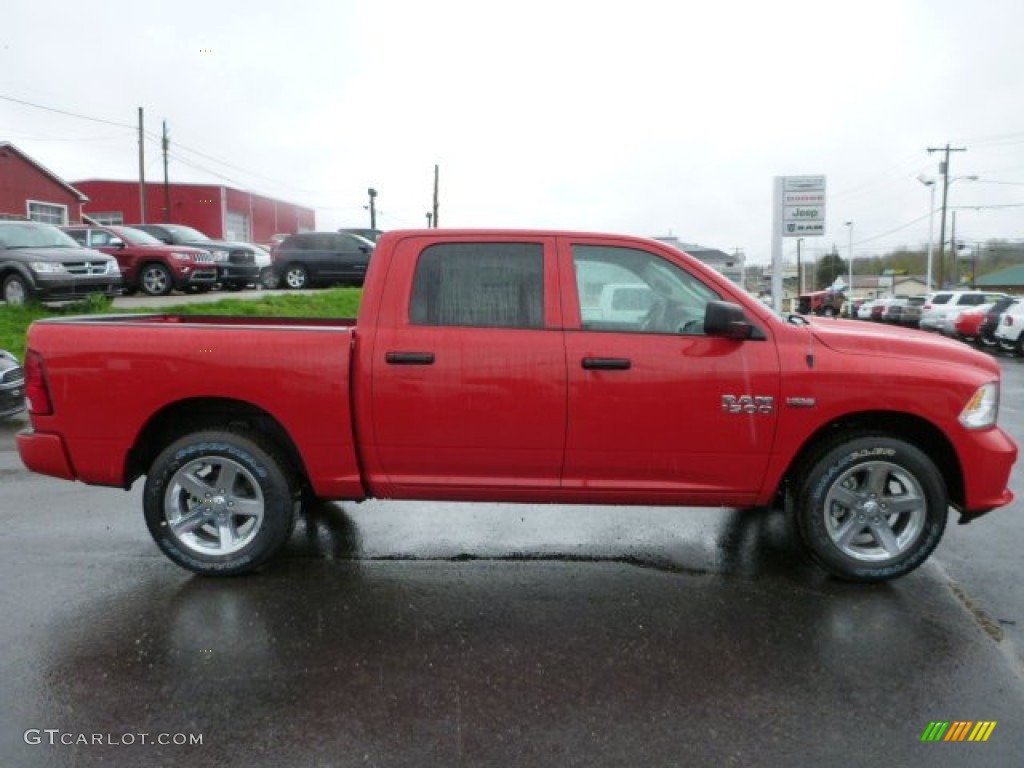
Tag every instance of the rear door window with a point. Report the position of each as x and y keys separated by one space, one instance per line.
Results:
x=489 y=285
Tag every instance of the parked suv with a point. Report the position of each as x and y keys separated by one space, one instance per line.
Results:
x=941 y=307
x=322 y=257
x=38 y=261
x=238 y=264
x=148 y=264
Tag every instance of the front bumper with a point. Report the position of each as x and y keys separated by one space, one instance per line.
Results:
x=237 y=274
x=59 y=287
x=987 y=461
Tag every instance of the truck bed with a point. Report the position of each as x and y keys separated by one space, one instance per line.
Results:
x=141 y=375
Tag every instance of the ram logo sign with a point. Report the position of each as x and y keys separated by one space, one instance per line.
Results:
x=748 y=404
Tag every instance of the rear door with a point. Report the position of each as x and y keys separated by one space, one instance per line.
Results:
x=657 y=409
x=468 y=370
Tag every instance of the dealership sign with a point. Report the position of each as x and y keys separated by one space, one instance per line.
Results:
x=801 y=205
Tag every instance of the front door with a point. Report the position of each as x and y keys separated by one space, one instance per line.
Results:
x=655 y=405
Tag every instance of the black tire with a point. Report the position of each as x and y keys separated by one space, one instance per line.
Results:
x=155 y=279
x=1007 y=346
x=871 y=507
x=295 y=277
x=16 y=291
x=214 y=530
x=269 y=278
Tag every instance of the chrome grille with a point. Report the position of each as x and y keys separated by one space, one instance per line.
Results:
x=242 y=257
x=12 y=376
x=86 y=267
x=204 y=258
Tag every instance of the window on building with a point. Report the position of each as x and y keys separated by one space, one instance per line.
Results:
x=110 y=218
x=487 y=285
x=48 y=213
x=236 y=227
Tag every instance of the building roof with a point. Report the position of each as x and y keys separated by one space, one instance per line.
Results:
x=1009 y=277
x=7 y=146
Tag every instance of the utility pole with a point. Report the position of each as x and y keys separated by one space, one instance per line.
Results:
x=373 y=207
x=167 y=185
x=436 y=173
x=142 y=171
x=944 y=170
x=799 y=271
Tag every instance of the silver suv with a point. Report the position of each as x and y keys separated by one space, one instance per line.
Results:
x=943 y=306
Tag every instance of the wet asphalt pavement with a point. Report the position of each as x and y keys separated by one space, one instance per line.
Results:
x=409 y=634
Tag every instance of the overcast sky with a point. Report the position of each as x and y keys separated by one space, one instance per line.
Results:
x=639 y=117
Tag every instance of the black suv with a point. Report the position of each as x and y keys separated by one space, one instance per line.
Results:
x=38 y=261
x=238 y=264
x=310 y=258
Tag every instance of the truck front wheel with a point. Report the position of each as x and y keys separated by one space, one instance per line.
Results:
x=219 y=503
x=871 y=508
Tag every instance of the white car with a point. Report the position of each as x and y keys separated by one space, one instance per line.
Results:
x=864 y=310
x=942 y=307
x=1009 y=334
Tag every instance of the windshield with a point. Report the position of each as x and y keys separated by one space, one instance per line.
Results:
x=182 y=233
x=33 y=235
x=135 y=236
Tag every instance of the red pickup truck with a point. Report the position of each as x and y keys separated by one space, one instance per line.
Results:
x=484 y=366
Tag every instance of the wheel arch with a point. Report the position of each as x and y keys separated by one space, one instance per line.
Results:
x=185 y=416
x=915 y=430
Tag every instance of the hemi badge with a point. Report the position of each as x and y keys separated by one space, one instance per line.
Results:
x=801 y=402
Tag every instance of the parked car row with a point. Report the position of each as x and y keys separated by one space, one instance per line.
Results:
x=904 y=311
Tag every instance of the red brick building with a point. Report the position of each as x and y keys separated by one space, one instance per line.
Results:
x=215 y=210
x=27 y=189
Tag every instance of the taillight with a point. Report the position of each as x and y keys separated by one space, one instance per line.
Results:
x=36 y=391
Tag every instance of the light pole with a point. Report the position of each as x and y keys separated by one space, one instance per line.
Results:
x=849 y=248
x=930 y=183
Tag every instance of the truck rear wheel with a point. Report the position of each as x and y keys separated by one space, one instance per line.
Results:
x=219 y=503
x=871 y=508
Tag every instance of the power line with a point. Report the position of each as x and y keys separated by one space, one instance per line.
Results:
x=65 y=112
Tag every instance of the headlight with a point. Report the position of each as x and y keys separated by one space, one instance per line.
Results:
x=47 y=266
x=983 y=407
x=113 y=268
x=182 y=256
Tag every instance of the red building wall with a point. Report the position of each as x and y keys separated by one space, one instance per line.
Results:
x=21 y=180
x=203 y=206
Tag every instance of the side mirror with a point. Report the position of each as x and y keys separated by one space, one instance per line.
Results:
x=115 y=242
x=723 y=318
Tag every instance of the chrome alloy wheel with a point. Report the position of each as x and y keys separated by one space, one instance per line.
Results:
x=214 y=506
x=875 y=511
